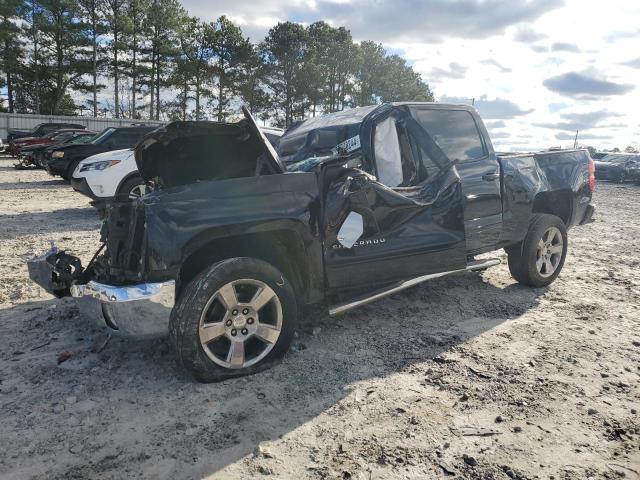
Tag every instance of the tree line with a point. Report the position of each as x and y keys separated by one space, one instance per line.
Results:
x=158 y=62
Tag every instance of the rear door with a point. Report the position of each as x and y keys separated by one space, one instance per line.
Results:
x=400 y=221
x=458 y=135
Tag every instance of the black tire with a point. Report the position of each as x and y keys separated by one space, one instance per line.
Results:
x=523 y=257
x=198 y=295
x=127 y=186
x=70 y=169
x=620 y=178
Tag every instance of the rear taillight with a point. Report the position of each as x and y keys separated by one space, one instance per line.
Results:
x=592 y=175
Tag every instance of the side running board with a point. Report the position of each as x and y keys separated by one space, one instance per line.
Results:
x=372 y=297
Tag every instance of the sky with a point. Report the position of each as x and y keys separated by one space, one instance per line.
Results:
x=536 y=70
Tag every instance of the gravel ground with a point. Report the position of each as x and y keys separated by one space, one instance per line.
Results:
x=469 y=376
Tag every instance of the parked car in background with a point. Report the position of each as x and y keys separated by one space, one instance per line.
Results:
x=31 y=155
x=40 y=130
x=65 y=159
x=79 y=139
x=108 y=176
x=114 y=175
x=52 y=137
x=619 y=167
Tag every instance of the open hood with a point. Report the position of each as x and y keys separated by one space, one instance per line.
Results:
x=189 y=152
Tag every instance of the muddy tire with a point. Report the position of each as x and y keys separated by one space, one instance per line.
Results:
x=236 y=318
x=538 y=260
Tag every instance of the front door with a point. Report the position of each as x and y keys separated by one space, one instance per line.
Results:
x=458 y=135
x=400 y=221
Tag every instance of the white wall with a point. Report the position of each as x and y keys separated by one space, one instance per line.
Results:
x=26 y=122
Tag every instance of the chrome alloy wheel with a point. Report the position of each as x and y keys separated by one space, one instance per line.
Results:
x=241 y=323
x=138 y=191
x=549 y=252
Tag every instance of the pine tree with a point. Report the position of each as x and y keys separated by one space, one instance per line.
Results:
x=197 y=52
x=136 y=31
x=230 y=51
x=91 y=13
x=115 y=16
x=284 y=51
x=11 y=46
x=64 y=53
x=164 y=19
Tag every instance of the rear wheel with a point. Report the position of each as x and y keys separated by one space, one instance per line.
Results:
x=620 y=178
x=236 y=318
x=538 y=260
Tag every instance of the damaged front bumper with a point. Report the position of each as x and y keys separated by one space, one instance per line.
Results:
x=140 y=310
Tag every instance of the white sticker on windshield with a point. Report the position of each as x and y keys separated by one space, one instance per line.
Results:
x=349 y=145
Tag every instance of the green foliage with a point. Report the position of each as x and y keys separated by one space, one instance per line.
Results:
x=11 y=47
x=230 y=51
x=94 y=24
x=160 y=63
x=252 y=86
x=284 y=52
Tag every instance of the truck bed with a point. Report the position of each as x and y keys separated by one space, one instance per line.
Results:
x=556 y=180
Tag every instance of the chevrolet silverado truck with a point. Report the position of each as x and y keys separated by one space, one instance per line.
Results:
x=237 y=237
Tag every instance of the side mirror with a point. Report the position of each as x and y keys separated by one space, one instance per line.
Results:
x=357 y=180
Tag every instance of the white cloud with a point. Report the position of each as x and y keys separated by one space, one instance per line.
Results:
x=499 y=52
x=605 y=66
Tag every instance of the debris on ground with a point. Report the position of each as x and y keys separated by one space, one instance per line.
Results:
x=376 y=393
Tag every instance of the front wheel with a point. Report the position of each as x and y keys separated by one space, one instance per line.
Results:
x=538 y=260
x=236 y=318
x=135 y=187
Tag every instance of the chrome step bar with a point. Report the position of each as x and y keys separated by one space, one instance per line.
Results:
x=372 y=297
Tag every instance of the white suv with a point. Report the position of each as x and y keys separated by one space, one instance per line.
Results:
x=114 y=175
x=109 y=176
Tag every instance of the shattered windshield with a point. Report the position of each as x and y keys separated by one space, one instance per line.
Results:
x=454 y=131
x=318 y=136
x=296 y=148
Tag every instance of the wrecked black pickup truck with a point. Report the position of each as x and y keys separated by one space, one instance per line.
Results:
x=355 y=205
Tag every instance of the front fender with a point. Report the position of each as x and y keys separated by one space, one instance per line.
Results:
x=183 y=220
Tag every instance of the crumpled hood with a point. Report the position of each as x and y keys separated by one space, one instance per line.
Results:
x=189 y=152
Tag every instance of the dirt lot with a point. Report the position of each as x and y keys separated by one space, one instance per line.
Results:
x=470 y=376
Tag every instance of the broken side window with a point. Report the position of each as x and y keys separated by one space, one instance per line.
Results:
x=387 y=152
x=454 y=131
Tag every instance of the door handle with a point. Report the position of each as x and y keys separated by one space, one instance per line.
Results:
x=489 y=177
